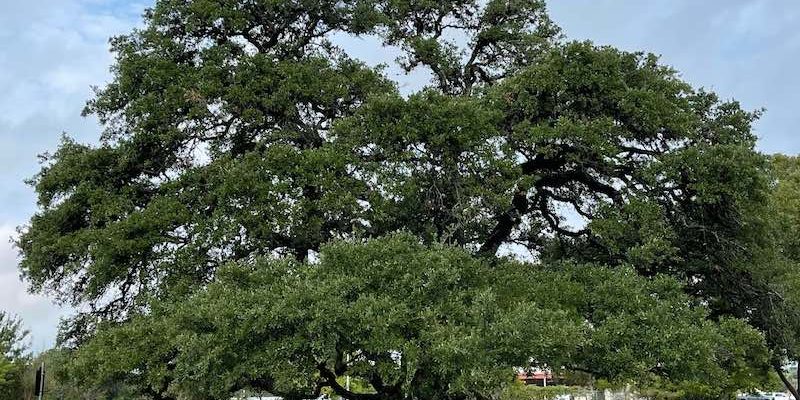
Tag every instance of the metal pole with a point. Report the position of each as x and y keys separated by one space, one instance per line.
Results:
x=347 y=379
x=41 y=387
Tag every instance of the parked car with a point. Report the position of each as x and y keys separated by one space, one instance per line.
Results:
x=764 y=396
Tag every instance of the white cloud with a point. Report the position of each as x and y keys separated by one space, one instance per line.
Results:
x=744 y=49
x=51 y=52
x=38 y=314
x=54 y=52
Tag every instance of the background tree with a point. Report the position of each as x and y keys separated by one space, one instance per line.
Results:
x=784 y=215
x=237 y=133
x=13 y=356
x=60 y=383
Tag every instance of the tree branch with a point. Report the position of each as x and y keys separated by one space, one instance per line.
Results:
x=506 y=223
x=785 y=380
x=330 y=380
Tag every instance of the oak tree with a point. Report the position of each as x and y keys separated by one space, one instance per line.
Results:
x=239 y=138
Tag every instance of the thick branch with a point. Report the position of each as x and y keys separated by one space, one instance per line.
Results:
x=785 y=380
x=330 y=380
x=506 y=222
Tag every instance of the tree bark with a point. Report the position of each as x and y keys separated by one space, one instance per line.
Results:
x=330 y=381
x=785 y=381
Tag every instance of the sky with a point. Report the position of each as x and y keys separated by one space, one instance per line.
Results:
x=53 y=51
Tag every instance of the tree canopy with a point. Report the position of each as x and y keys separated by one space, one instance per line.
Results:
x=240 y=139
x=423 y=322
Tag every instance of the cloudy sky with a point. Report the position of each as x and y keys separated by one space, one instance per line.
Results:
x=52 y=51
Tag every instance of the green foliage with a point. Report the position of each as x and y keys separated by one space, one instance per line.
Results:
x=524 y=392
x=60 y=384
x=239 y=140
x=784 y=215
x=399 y=316
x=786 y=202
x=13 y=356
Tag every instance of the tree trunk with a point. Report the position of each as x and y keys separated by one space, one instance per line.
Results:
x=785 y=381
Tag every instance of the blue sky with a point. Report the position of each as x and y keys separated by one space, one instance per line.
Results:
x=52 y=51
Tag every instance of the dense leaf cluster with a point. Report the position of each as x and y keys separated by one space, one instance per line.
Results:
x=421 y=322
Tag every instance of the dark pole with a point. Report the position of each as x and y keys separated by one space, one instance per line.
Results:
x=797 y=373
x=39 y=389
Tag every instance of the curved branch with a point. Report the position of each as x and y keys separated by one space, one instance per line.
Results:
x=330 y=380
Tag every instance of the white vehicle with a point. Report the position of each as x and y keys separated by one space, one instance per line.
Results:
x=764 y=396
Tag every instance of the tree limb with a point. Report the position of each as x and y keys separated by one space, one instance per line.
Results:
x=785 y=380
